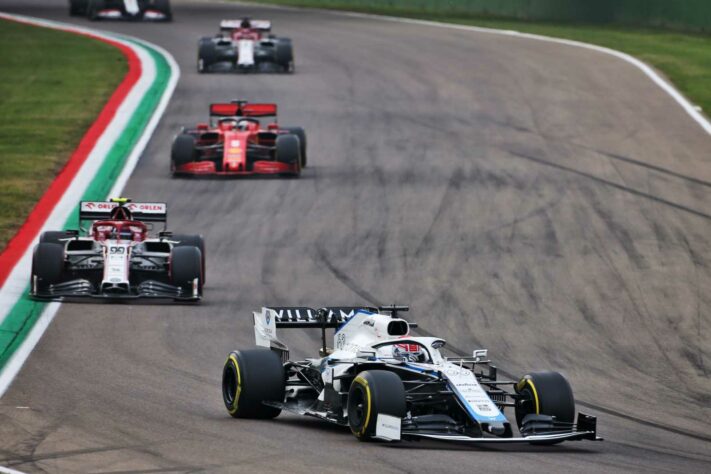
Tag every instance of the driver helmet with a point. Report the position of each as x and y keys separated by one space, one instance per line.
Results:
x=246 y=23
x=409 y=352
x=245 y=125
x=227 y=124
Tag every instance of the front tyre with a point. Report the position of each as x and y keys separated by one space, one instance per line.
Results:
x=47 y=265
x=250 y=378
x=185 y=268
x=93 y=9
x=207 y=55
x=183 y=150
x=284 y=55
x=299 y=132
x=163 y=6
x=545 y=393
x=374 y=392
x=185 y=240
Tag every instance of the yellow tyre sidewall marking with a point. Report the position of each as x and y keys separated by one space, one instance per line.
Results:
x=233 y=408
x=527 y=381
x=364 y=383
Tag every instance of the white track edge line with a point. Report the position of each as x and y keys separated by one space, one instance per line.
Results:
x=7 y=470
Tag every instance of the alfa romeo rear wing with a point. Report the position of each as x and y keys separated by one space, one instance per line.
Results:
x=260 y=25
x=140 y=211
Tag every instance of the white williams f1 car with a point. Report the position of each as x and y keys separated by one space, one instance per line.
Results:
x=136 y=10
x=384 y=383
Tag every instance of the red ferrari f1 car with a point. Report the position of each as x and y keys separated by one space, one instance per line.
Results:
x=236 y=143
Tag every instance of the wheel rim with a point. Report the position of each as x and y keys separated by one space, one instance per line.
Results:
x=356 y=409
x=229 y=385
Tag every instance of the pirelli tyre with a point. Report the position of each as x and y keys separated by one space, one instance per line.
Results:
x=185 y=268
x=78 y=7
x=163 y=6
x=207 y=54
x=185 y=240
x=284 y=54
x=373 y=393
x=93 y=8
x=183 y=150
x=55 y=236
x=299 y=132
x=47 y=265
x=249 y=379
x=545 y=393
x=288 y=149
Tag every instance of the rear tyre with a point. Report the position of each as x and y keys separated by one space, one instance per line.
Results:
x=185 y=240
x=77 y=7
x=545 y=393
x=186 y=266
x=54 y=236
x=183 y=150
x=284 y=55
x=250 y=378
x=288 y=149
x=47 y=264
x=299 y=132
x=374 y=392
x=207 y=54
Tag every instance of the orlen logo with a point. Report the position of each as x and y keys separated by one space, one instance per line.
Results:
x=145 y=207
x=99 y=205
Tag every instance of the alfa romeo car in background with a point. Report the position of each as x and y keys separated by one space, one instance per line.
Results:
x=116 y=258
x=245 y=46
x=235 y=142
x=149 y=10
x=384 y=383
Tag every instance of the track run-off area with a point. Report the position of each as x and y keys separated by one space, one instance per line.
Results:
x=544 y=201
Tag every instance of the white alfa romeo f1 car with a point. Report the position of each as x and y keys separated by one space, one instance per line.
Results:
x=245 y=46
x=116 y=258
x=384 y=383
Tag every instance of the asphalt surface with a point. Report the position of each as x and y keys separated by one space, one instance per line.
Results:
x=543 y=201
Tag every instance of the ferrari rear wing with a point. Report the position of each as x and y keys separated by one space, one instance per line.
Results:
x=240 y=108
x=260 y=25
x=140 y=211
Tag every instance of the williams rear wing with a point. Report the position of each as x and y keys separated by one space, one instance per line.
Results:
x=269 y=319
x=303 y=317
x=139 y=211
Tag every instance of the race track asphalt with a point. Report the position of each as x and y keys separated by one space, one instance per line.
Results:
x=546 y=202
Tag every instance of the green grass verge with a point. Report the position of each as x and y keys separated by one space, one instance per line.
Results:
x=684 y=58
x=53 y=85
